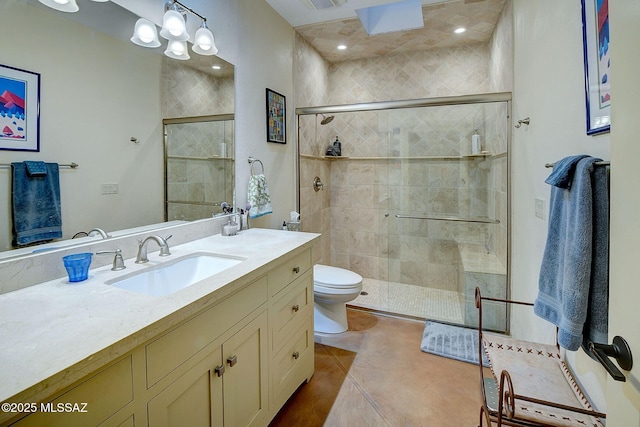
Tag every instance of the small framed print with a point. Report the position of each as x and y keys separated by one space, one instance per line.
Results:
x=276 y=113
x=597 y=65
x=19 y=109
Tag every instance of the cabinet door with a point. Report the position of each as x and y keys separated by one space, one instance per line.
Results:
x=245 y=378
x=194 y=399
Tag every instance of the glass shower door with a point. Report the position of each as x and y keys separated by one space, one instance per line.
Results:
x=448 y=211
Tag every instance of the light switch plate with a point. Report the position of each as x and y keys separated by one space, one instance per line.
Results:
x=110 y=188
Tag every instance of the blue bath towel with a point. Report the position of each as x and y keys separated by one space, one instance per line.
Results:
x=573 y=284
x=37 y=215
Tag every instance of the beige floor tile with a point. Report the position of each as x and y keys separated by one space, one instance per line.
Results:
x=376 y=375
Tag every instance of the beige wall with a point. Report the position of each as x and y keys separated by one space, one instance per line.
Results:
x=548 y=88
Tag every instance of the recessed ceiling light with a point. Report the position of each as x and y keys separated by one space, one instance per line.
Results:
x=342 y=47
x=215 y=67
x=460 y=30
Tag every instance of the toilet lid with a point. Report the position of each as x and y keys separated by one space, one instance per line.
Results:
x=334 y=277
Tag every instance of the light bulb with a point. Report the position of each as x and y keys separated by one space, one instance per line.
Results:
x=177 y=49
x=204 y=43
x=145 y=34
x=173 y=26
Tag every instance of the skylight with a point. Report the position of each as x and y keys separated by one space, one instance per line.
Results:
x=391 y=17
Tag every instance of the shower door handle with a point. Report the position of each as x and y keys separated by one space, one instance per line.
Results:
x=451 y=218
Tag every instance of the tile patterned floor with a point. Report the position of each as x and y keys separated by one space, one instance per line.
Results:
x=411 y=300
x=375 y=375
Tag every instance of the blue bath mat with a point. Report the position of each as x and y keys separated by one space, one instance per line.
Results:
x=454 y=342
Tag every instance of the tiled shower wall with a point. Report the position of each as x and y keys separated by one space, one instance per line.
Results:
x=187 y=92
x=358 y=234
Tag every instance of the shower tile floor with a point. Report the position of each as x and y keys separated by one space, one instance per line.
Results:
x=411 y=300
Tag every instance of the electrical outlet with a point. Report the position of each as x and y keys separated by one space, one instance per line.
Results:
x=110 y=188
x=539 y=209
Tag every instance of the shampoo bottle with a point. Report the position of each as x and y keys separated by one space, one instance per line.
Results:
x=337 y=147
x=475 y=142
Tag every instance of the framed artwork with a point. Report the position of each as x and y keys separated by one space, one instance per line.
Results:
x=276 y=113
x=597 y=65
x=19 y=109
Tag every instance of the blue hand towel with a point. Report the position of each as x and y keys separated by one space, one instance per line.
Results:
x=37 y=215
x=573 y=262
x=563 y=170
x=36 y=168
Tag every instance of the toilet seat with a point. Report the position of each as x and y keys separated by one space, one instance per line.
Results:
x=325 y=276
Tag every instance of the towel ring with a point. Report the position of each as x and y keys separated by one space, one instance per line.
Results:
x=252 y=161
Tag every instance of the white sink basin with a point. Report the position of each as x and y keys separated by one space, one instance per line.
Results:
x=171 y=276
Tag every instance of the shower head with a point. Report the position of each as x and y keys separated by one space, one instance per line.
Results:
x=326 y=120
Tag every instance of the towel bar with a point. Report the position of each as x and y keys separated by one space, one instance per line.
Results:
x=603 y=163
x=72 y=165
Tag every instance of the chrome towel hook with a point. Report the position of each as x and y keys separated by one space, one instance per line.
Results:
x=524 y=121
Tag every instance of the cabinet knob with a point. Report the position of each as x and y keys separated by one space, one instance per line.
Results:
x=295 y=355
x=296 y=270
x=295 y=308
x=232 y=360
x=219 y=370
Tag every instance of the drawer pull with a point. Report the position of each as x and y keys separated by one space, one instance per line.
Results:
x=296 y=270
x=219 y=370
x=295 y=355
x=295 y=308
x=232 y=360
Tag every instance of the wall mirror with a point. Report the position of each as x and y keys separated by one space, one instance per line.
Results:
x=102 y=104
x=199 y=161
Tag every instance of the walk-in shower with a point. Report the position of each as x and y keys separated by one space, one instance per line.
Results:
x=407 y=206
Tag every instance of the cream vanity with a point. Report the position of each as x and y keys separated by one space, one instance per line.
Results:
x=228 y=350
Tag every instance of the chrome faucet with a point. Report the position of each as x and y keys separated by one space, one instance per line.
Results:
x=100 y=231
x=142 y=248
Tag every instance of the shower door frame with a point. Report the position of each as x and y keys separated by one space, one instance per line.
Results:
x=483 y=98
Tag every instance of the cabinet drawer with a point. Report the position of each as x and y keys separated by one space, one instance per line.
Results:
x=289 y=311
x=172 y=349
x=293 y=364
x=104 y=394
x=288 y=271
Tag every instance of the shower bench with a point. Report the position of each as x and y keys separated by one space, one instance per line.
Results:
x=530 y=384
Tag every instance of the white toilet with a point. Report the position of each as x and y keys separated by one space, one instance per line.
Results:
x=333 y=287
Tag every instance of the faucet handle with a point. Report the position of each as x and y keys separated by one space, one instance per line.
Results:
x=118 y=262
x=164 y=249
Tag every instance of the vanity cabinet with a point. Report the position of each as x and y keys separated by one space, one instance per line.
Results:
x=291 y=327
x=92 y=401
x=233 y=363
x=225 y=387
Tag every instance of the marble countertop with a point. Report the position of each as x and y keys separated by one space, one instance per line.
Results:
x=57 y=332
